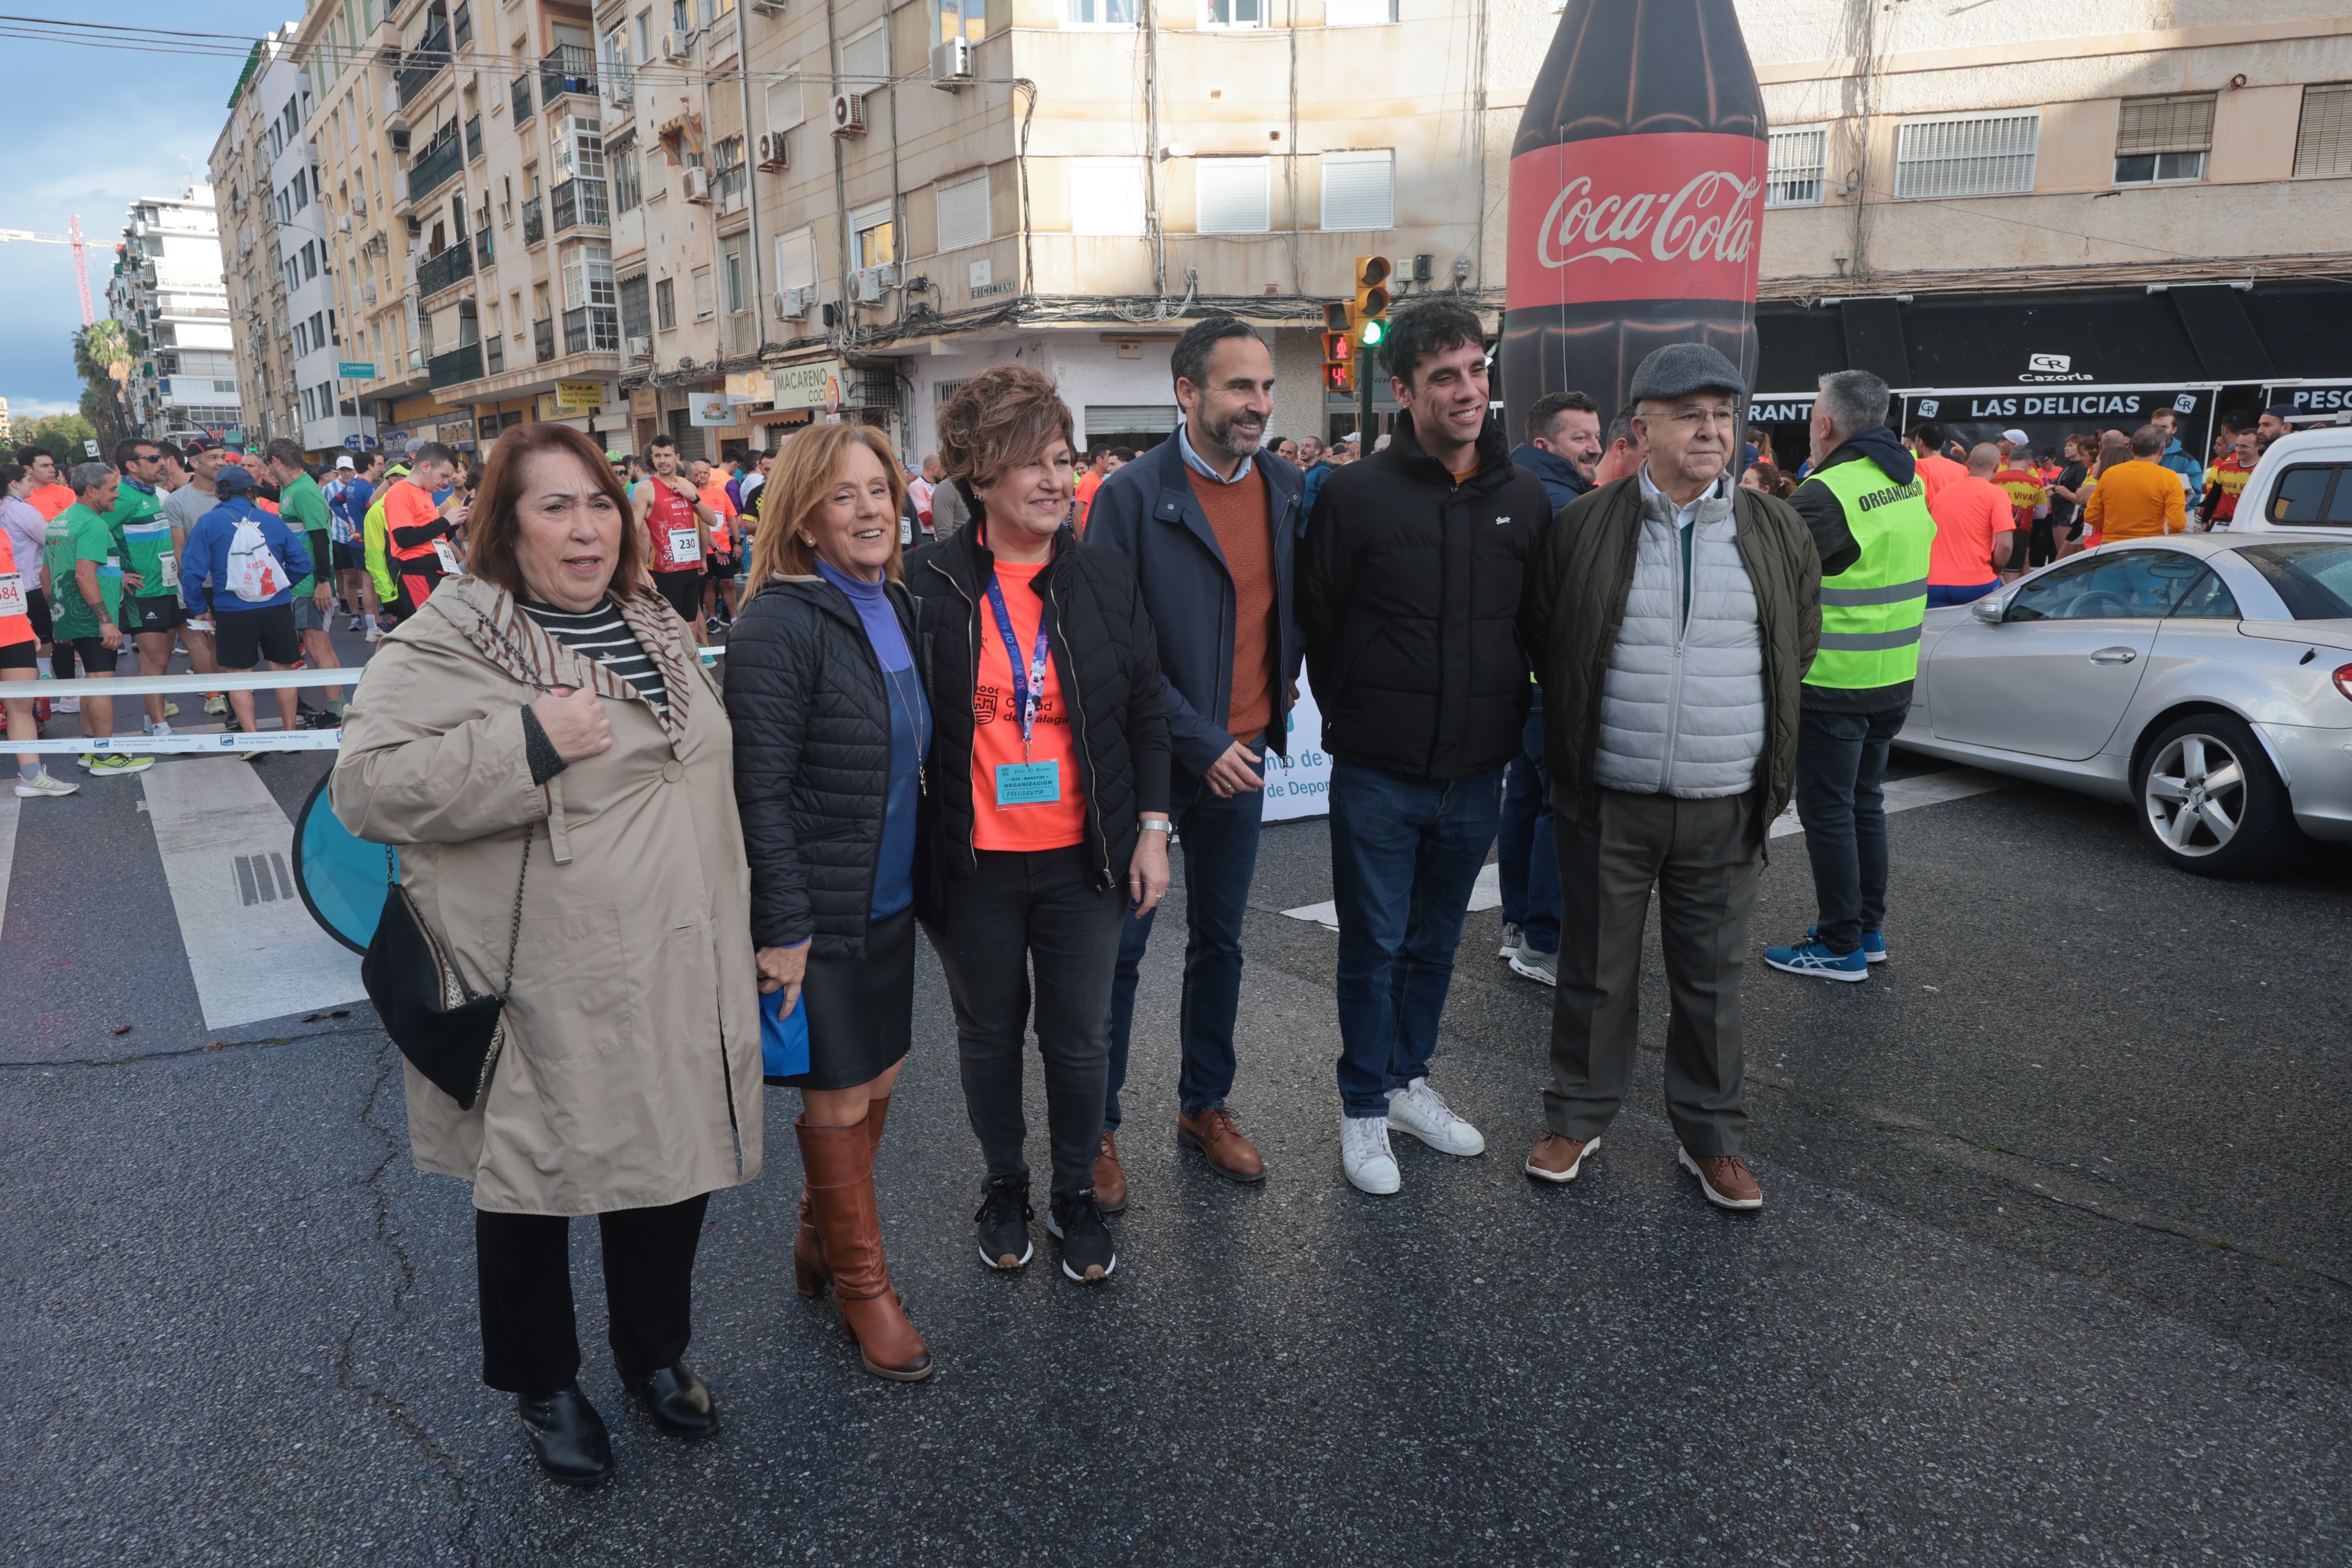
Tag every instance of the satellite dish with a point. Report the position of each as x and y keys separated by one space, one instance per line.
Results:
x=341 y=878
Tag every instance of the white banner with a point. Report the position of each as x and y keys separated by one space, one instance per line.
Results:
x=1302 y=785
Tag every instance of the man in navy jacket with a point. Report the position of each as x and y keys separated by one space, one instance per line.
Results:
x=246 y=632
x=1207 y=522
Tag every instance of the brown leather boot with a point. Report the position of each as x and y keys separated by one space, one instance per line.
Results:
x=1111 y=1181
x=808 y=1273
x=1216 y=1133
x=840 y=1165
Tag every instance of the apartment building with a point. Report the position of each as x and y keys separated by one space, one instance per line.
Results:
x=2058 y=219
x=167 y=289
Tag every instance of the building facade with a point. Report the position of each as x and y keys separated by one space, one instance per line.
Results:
x=168 y=292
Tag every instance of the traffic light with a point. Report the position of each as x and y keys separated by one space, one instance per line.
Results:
x=1338 y=350
x=1369 y=317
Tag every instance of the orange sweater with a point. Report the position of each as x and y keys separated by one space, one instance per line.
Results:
x=2139 y=499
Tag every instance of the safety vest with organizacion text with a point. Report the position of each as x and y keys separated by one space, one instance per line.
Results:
x=1871 y=612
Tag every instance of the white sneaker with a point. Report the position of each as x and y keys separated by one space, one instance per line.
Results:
x=1512 y=936
x=35 y=788
x=1421 y=1110
x=160 y=727
x=1364 y=1154
x=66 y=705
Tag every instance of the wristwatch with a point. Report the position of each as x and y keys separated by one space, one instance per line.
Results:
x=1149 y=827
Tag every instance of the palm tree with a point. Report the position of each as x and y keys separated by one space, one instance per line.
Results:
x=102 y=357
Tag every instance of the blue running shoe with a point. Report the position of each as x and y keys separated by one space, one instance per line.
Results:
x=1874 y=943
x=1812 y=958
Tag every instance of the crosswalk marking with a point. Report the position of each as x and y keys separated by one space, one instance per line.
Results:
x=251 y=961
x=1902 y=794
x=8 y=806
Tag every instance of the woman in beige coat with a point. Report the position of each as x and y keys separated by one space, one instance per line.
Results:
x=539 y=708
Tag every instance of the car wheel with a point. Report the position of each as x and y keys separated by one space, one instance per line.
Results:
x=2209 y=801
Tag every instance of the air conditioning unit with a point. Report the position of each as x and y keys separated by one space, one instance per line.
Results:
x=849 y=114
x=768 y=7
x=400 y=138
x=697 y=185
x=791 y=304
x=673 y=47
x=775 y=153
x=367 y=292
x=641 y=348
x=952 y=64
x=868 y=282
x=343 y=224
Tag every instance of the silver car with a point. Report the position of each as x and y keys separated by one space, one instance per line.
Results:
x=2204 y=680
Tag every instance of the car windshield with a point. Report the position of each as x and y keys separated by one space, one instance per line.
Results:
x=2315 y=580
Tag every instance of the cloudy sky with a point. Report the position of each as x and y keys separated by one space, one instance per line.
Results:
x=90 y=131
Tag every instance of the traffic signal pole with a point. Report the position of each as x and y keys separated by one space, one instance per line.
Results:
x=1367 y=364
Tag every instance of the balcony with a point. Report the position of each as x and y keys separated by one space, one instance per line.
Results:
x=567 y=68
x=420 y=65
x=473 y=137
x=533 y=230
x=438 y=272
x=437 y=165
x=521 y=98
x=459 y=364
x=592 y=328
x=542 y=339
x=579 y=203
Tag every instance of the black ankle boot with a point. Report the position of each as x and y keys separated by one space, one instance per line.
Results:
x=678 y=1401
x=568 y=1435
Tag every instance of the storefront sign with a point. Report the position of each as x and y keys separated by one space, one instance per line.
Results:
x=710 y=410
x=750 y=387
x=2311 y=397
x=1796 y=408
x=2049 y=418
x=579 y=394
x=802 y=385
x=644 y=403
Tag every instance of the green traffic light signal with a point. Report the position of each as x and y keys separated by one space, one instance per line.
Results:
x=1374 y=331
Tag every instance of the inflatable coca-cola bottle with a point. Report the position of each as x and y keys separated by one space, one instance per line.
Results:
x=1637 y=200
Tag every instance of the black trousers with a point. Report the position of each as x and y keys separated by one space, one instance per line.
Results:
x=1841 y=782
x=1039 y=906
x=530 y=1340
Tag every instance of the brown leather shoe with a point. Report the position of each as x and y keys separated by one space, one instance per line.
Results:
x=809 y=1273
x=1557 y=1159
x=840 y=1165
x=1215 y=1133
x=1110 y=1182
x=1725 y=1179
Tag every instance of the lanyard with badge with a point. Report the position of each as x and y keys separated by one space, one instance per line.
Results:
x=1024 y=783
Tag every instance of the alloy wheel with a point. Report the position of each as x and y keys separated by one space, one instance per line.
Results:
x=2195 y=795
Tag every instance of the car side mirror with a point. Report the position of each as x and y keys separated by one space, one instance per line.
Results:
x=1986 y=609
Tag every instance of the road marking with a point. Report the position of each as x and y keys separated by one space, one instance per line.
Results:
x=262 y=960
x=9 y=805
x=1902 y=794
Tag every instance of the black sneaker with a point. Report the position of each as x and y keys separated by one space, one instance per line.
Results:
x=1087 y=1256
x=1003 y=1222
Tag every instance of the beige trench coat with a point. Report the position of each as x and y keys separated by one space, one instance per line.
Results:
x=630 y=1075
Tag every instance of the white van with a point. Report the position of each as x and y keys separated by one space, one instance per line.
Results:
x=2303 y=484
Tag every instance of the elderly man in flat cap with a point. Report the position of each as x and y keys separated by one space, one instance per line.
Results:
x=1671 y=617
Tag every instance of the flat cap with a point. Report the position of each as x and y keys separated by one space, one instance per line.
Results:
x=1680 y=369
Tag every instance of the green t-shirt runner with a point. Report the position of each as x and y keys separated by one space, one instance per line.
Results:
x=142 y=537
x=76 y=534
x=304 y=506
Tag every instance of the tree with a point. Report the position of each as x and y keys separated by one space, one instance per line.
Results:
x=61 y=434
x=104 y=353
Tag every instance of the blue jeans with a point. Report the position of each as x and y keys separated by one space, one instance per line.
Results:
x=1942 y=593
x=1219 y=840
x=1529 y=867
x=1841 y=799
x=1404 y=853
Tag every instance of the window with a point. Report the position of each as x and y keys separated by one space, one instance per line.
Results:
x=703 y=307
x=1107 y=196
x=665 y=306
x=2164 y=139
x=796 y=261
x=953 y=19
x=2209 y=600
x=644 y=34
x=2132 y=583
x=1359 y=190
x=1972 y=155
x=627 y=191
x=1796 y=166
x=2322 y=139
x=865 y=61
x=787 y=105
x=1357 y=13
x=2315 y=580
x=1233 y=13
x=1099 y=14
x=1232 y=195
x=636 y=309
x=875 y=236
x=2301 y=497
x=580 y=148
x=737 y=296
x=963 y=214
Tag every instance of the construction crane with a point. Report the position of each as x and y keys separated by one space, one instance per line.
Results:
x=81 y=261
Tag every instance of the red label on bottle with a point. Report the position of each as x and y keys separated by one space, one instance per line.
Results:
x=1675 y=216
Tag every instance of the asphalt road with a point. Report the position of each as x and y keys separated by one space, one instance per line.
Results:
x=2053 y=1267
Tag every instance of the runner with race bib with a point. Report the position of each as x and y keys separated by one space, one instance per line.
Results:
x=677 y=523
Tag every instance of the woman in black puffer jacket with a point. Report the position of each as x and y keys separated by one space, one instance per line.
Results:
x=831 y=725
x=1048 y=799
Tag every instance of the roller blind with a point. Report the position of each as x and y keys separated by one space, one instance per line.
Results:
x=963 y=214
x=2323 y=140
x=787 y=107
x=1107 y=196
x=1131 y=420
x=2176 y=122
x=1359 y=190
x=1231 y=196
x=865 y=61
x=796 y=259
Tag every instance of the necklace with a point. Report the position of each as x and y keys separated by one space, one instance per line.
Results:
x=914 y=725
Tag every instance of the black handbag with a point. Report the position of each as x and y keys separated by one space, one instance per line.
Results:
x=448 y=1031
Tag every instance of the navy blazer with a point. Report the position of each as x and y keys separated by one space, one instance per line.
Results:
x=1146 y=514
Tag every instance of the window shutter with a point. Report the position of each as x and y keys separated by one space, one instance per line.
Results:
x=1975 y=155
x=963 y=214
x=2178 y=123
x=796 y=259
x=787 y=106
x=1796 y=166
x=2323 y=140
x=726 y=111
x=1231 y=196
x=1131 y=420
x=1107 y=196
x=1357 y=13
x=865 y=61
x=1359 y=190
x=874 y=215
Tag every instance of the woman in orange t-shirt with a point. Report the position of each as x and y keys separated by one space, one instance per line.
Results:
x=1047 y=801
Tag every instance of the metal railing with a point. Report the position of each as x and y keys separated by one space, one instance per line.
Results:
x=461 y=363
x=592 y=328
x=542 y=338
x=473 y=137
x=580 y=202
x=567 y=68
x=437 y=165
x=521 y=98
x=420 y=65
x=438 y=272
x=533 y=230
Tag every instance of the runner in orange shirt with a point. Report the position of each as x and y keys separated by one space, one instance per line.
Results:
x=719 y=596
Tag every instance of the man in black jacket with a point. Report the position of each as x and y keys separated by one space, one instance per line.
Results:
x=1408 y=590
x=1207 y=522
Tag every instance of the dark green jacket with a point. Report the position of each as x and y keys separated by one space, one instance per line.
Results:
x=1572 y=606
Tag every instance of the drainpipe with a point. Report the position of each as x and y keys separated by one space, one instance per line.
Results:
x=750 y=180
